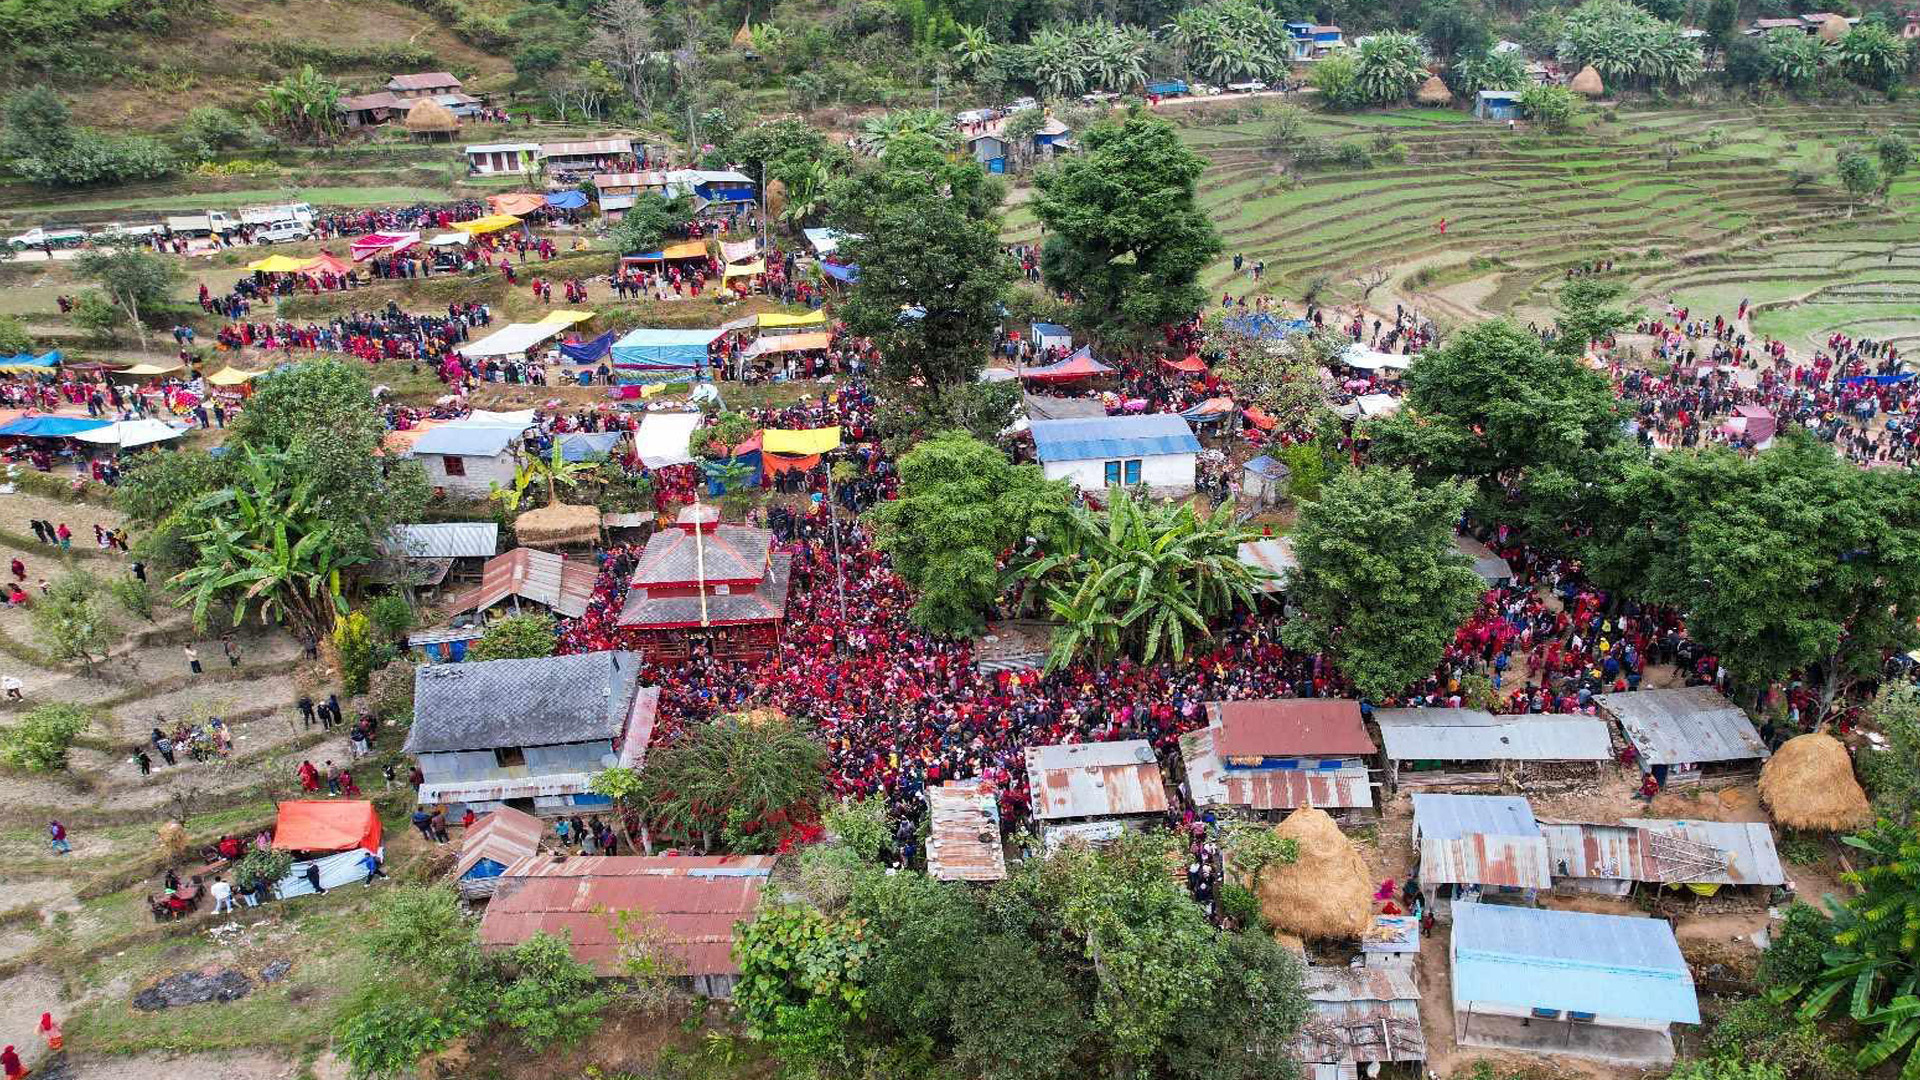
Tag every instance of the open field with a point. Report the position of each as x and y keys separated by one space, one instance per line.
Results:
x=1694 y=205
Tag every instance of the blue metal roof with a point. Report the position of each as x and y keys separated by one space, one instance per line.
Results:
x=461 y=440
x=1047 y=329
x=1451 y=817
x=1106 y=437
x=1608 y=965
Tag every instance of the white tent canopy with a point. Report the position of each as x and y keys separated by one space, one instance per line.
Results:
x=127 y=434
x=514 y=339
x=1359 y=356
x=451 y=239
x=663 y=437
x=522 y=419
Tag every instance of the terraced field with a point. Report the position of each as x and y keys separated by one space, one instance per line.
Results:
x=1693 y=205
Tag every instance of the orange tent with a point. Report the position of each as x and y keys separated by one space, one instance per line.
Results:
x=332 y=825
x=327 y=263
x=516 y=203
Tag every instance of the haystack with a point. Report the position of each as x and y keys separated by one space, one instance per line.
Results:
x=1433 y=92
x=560 y=523
x=1809 y=784
x=430 y=118
x=1834 y=28
x=1327 y=892
x=1587 y=83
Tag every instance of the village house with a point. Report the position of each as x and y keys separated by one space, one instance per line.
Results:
x=1685 y=735
x=1680 y=859
x=1359 y=1016
x=688 y=907
x=371 y=110
x=1312 y=42
x=427 y=554
x=469 y=459
x=1469 y=748
x=424 y=84
x=1157 y=450
x=1472 y=849
x=963 y=832
x=495 y=159
x=713 y=191
x=1275 y=755
x=590 y=155
x=1609 y=987
x=1094 y=790
x=498 y=840
x=617 y=192
x=528 y=734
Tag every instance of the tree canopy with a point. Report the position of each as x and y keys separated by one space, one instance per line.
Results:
x=1126 y=238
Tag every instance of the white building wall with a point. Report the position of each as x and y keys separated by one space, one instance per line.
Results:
x=482 y=473
x=1163 y=474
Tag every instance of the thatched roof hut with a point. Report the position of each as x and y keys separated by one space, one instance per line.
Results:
x=743 y=37
x=432 y=119
x=1327 y=892
x=1809 y=784
x=1587 y=83
x=1834 y=28
x=1433 y=92
x=558 y=524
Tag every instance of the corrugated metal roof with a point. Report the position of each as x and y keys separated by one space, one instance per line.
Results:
x=1043 y=407
x=1274 y=556
x=1472 y=735
x=1608 y=852
x=640 y=721
x=466 y=440
x=1607 y=965
x=543 y=577
x=1361 y=1015
x=548 y=701
x=424 y=80
x=1701 y=852
x=1685 y=726
x=1102 y=438
x=504 y=836
x=587 y=148
x=963 y=839
x=446 y=540
x=1752 y=858
x=1290 y=789
x=544 y=785
x=1288 y=727
x=1480 y=840
x=687 y=906
x=1095 y=780
x=1489 y=566
x=1206 y=779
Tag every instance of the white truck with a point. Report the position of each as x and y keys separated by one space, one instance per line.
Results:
x=274 y=215
x=120 y=230
x=48 y=236
x=207 y=224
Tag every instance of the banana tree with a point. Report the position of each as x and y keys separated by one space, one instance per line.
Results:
x=556 y=470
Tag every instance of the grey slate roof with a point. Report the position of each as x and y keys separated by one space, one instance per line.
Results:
x=493 y=703
x=1689 y=725
x=1100 y=438
x=463 y=440
x=1472 y=735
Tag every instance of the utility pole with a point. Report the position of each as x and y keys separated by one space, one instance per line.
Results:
x=763 y=207
x=839 y=573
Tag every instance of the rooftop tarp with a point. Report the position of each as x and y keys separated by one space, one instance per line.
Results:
x=665 y=348
x=1109 y=437
x=1359 y=356
x=774 y=320
x=1263 y=325
x=737 y=250
x=779 y=343
x=511 y=340
x=1080 y=365
x=567 y=200
x=1605 y=965
x=51 y=427
x=366 y=247
x=663 y=437
x=233 y=376
x=587 y=352
x=588 y=445
x=450 y=239
x=757 y=266
x=825 y=241
x=150 y=369
x=838 y=272
x=812 y=441
x=488 y=224
x=514 y=203
x=28 y=364
x=127 y=434
x=564 y=318
x=278 y=264
x=310 y=825
x=692 y=249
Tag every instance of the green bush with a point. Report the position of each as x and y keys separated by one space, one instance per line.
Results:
x=391 y=615
x=134 y=595
x=261 y=864
x=1240 y=904
x=390 y=693
x=1759 y=1031
x=40 y=741
x=1354 y=156
x=520 y=637
x=553 y=999
x=353 y=639
x=1794 y=957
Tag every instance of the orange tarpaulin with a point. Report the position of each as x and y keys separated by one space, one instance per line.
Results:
x=1259 y=419
x=1191 y=365
x=325 y=263
x=516 y=203
x=332 y=825
x=775 y=464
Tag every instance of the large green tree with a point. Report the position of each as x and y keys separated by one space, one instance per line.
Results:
x=1380 y=587
x=932 y=275
x=137 y=281
x=1126 y=237
x=1493 y=402
x=1284 y=376
x=1587 y=314
x=962 y=505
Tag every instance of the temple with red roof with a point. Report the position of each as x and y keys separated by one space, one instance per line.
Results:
x=705 y=586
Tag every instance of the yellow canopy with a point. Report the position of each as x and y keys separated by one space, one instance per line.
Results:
x=488 y=224
x=692 y=249
x=811 y=441
x=279 y=264
x=232 y=376
x=565 y=318
x=777 y=320
x=149 y=369
x=757 y=266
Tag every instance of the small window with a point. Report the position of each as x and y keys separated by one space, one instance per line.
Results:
x=1113 y=473
x=506 y=757
x=1133 y=472
x=456 y=466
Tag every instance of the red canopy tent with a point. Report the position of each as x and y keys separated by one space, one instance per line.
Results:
x=1190 y=365
x=1081 y=365
x=330 y=825
x=327 y=263
x=366 y=247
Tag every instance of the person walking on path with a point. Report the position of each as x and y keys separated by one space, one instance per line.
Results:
x=141 y=759
x=66 y=537
x=193 y=658
x=57 y=837
x=232 y=650
x=162 y=746
x=10 y=1061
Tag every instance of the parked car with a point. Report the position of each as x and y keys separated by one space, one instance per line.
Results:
x=1253 y=87
x=283 y=232
x=60 y=236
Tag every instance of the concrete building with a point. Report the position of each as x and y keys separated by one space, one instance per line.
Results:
x=497 y=159
x=464 y=459
x=1157 y=451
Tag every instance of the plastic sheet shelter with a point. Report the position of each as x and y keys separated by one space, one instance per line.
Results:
x=513 y=339
x=29 y=364
x=233 y=377
x=515 y=203
x=566 y=200
x=774 y=320
x=676 y=349
x=490 y=224
x=663 y=437
x=150 y=369
x=127 y=434
x=325 y=263
x=565 y=318
x=1081 y=365
x=757 y=266
x=784 y=343
x=366 y=247
x=692 y=249
x=278 y=264
x=809 y=441
x=329 y=825
x=51 y=427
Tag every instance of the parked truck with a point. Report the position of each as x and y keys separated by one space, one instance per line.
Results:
x=207 y=224
x=48 y=236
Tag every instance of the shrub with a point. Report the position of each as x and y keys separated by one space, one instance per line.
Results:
x=353 y=639
x=134 y=595
x=261 y=864
x=391 y=615
x=520 y=637
x=1240 y=904
x=40 y=741
x=552 y=1000
x=390 y=693
x=1759 y=1031
x=1794 y=957
x=1354 y=156
x=1313 y=152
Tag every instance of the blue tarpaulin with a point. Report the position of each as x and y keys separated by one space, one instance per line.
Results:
x=588 y=351
x=1263 y=325
x=685 y=349
x=837 y=272
x=48 y=359
x=588 y=445
x=51 y=427
x=1879 y=380
x=567 y=200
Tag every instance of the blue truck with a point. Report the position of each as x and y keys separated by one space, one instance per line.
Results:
x=1167 y=87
